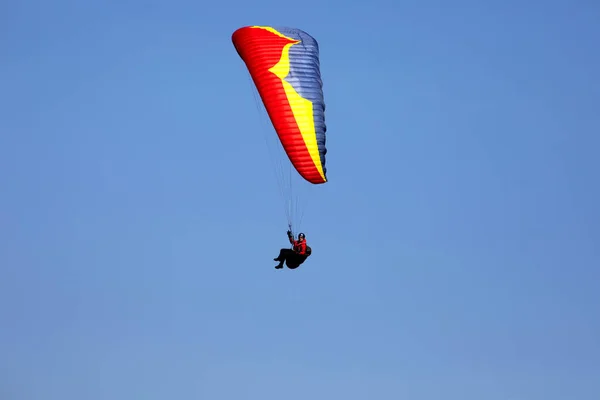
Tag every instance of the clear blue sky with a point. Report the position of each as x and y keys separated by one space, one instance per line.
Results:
x=456 y=246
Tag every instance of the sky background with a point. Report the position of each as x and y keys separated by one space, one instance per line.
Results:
x=455 y=249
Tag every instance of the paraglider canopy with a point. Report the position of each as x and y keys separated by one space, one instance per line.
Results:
x=284 y=65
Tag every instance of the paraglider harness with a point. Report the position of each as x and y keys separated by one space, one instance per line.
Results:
x=308 y=251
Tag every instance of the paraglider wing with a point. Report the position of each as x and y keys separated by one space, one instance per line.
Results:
x=284 y=65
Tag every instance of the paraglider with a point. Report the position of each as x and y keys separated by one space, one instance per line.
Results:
x=285 y=68
x=295 y=256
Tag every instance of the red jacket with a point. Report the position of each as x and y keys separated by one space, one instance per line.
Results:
x=299 y=247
